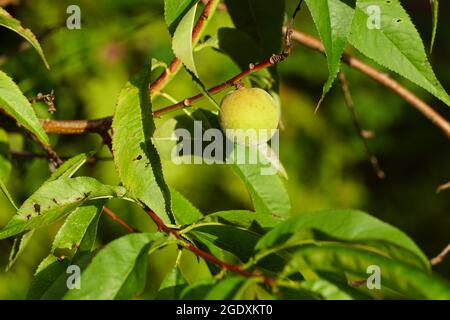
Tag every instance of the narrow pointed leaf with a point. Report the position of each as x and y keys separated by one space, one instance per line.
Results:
x=136 y=159
x=118 y=271
x=383 y=31
x=333 y=20
x=410 y=281
x=182 y=40
x=15 y=104
x=175 y=10
x=79 y=231
x=54 y=200
x=351 y=226
x=13 y=24
x=435 y=20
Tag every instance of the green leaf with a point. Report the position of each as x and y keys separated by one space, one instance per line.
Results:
x=70 y=166
x=268 y=193
x=118 y=271
x=261 y=19
x=54 y=200
x=326 y=289
x=182 y=40
x=183 y=210
x=350 y=226
x=19 y=245
x=14 y=103
x=136 y=159
x=79 y=231
x=239 y=46
x=396 y=45
x=435 y=20
x=197 y=290
x=172 y=286
x=175 y=10
x=410 y=281
x=9 y=22
x=50 y=280
x=239 y=242
x=333 y=21
x=244 y=219
x=225 y=289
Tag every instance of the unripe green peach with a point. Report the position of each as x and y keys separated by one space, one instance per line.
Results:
x=248 y=110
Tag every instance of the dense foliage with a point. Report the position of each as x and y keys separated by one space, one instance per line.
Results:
x=165 y=247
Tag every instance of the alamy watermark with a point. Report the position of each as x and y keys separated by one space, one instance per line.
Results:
x=73 y=22
x=74 y=278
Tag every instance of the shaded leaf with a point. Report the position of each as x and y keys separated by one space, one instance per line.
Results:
x=239 y=46
x=182 y=40
x=7 y=194
x=238 y=241
x=261 y=19
x=175 y=10
x=244 y=219
x=435 y=20
x=118 y=271
x=172 y=286
x=19 y=245
x=9 y=22
x=395 y=275
x=183 y=210
x=5 y=159
x=50 y=280
x=70 y=166
x=351 y=226
x=333 y=21
x=79 y=231
x=396 y=44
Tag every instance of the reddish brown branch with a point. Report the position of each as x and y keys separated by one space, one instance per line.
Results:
x=113 y=216
x=205 y=255
x=76 y=126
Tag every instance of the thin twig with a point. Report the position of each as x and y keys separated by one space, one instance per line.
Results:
x=51 y=154
x=443 y=187
x=113 y=216
x=351 y=107
x=440 y=257
x=220 y=7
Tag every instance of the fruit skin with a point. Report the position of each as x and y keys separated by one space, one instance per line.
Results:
x=249 y=108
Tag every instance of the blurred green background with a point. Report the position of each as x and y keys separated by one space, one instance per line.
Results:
x=322 y=153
